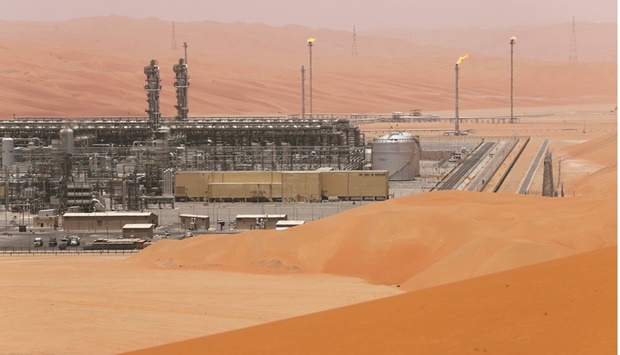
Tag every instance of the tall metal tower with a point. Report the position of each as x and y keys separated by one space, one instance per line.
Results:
x=174 y=38
x=181 y=85
x=572 y=57
x=153 y=88
x=310 y=42
x=513 y=39
x=303 y=92
x=457 y=130
x=354 y=47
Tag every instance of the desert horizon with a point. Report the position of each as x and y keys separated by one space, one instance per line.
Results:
x=533 y=270
x=254 y=69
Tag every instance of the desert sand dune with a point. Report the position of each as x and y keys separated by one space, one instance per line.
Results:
x=415 y=241
x=94 y=66
x=463 y=241
x=565 y=306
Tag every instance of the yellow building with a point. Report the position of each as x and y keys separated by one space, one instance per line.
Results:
x=289 y=186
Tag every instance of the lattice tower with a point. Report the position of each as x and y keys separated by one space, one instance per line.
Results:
x=572 y=57
x=354 y=46
x=174 y=38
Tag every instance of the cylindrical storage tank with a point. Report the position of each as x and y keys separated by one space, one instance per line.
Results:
x=399 y=154
x=8 y=152
x=66 y=136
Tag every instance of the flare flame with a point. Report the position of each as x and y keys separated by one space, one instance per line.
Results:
x=461 y=59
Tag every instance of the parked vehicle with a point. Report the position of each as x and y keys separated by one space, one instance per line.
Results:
x=52 y=242
x=38 y=242
x=74 y=241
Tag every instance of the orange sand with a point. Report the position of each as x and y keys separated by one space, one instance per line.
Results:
x=438 y=245
x=94 y=66
x=566 y=306
x=416 y=241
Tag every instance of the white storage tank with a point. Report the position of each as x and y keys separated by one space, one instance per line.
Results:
x=8 y=152
x=399 y=154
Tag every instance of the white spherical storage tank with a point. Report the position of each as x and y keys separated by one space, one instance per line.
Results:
x=8 y=152
x=399 y=154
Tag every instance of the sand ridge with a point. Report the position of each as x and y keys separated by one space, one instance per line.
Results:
x=568 y=307
x=178 y=290
x=415 y=241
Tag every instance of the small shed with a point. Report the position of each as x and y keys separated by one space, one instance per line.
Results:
x=138 y=230
x=194 y=222
x=258 y=221
x=105 y=221
x=44 y=222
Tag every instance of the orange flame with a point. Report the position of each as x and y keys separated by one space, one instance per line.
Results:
x=513 y=39
x=310 y=40
x=461 y=59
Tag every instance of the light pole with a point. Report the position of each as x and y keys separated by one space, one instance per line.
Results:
x=310 y=42
x=513 y=39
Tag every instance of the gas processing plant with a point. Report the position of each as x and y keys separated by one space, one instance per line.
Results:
x=54 y=162
x=85 y=164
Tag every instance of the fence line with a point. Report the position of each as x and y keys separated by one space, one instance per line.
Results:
x=32 y=251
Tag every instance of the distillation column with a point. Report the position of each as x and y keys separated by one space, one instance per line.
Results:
x=153 y=88
x=181 y=85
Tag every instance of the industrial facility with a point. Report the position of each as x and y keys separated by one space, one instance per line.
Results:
x=97 y=164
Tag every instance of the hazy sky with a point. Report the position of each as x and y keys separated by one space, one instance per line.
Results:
x=336 y=14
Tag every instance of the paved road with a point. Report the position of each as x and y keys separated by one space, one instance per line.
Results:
x=466 y=167
x=535 y=163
